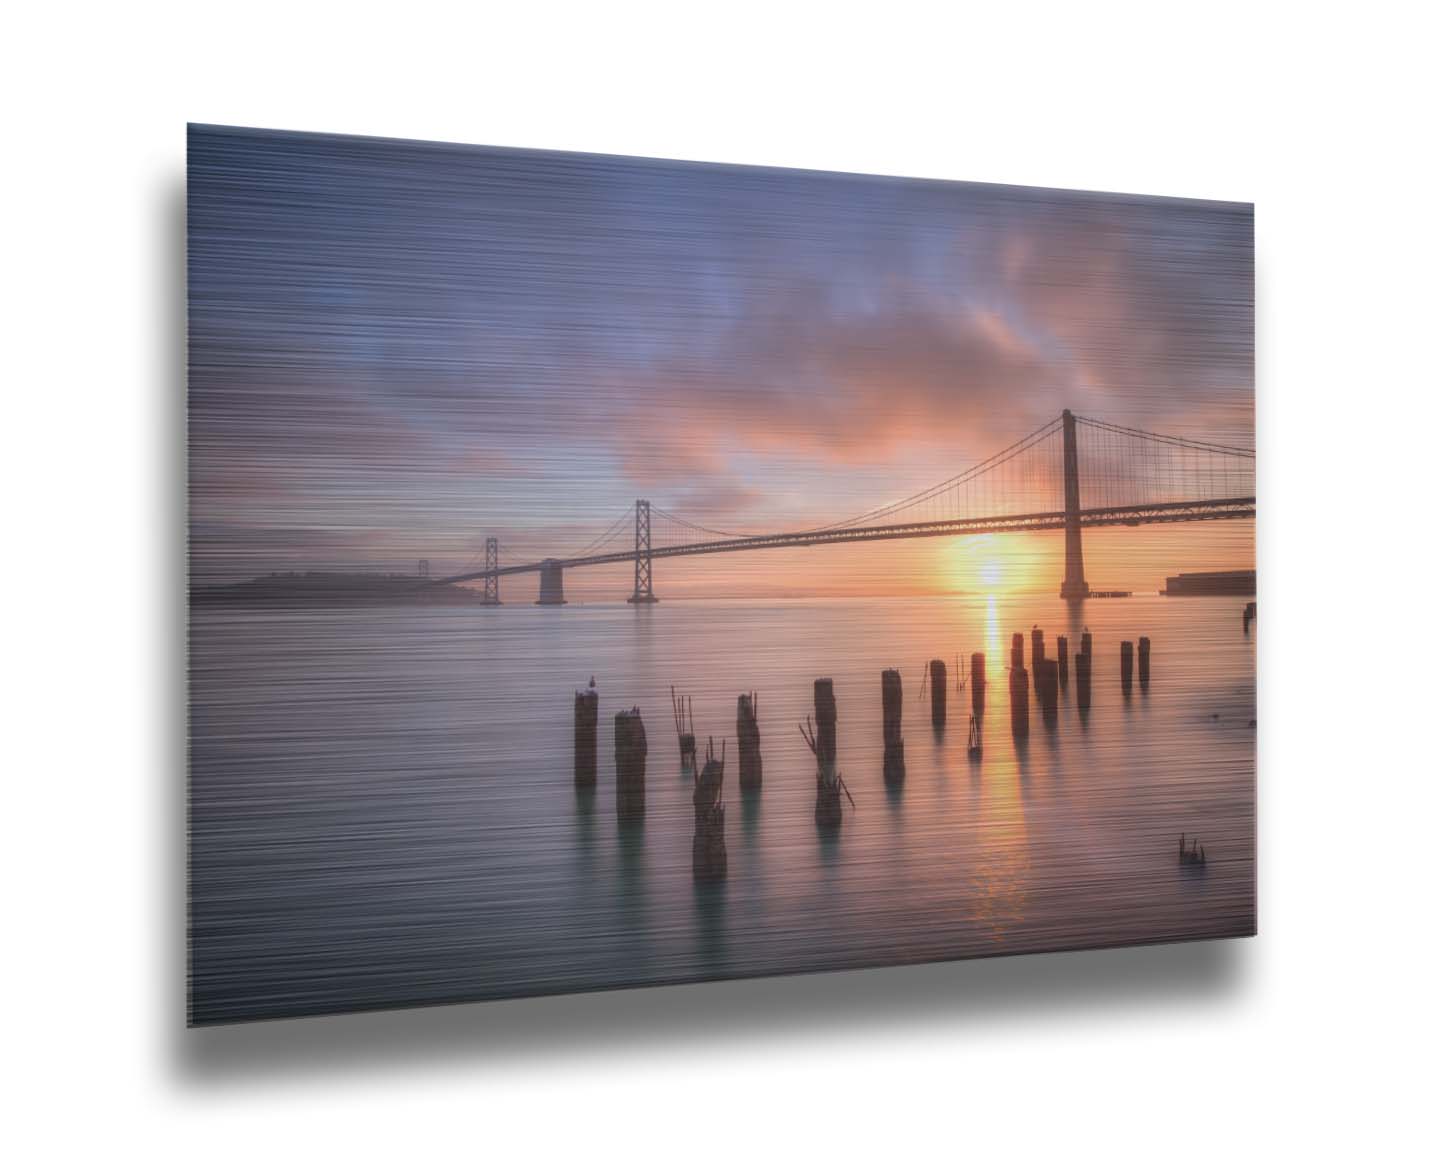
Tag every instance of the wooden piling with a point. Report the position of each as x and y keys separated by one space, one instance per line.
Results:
x=820 y=736
x=1019 y=702
x=1017 y=650
x=1062 y=659
x=1047 y=688
x=630 y=749
x=1248 y=616
x=891 y=700
x=1127 y=665
x=1082 y=681
x=937 y=693
x=587 y=723
x=825 y=716
x=1085 y=643
x=747 y=731
x=1037 y=646
x=977 y=683
x=707 y=848
x=828 y=812
x=1144 y=662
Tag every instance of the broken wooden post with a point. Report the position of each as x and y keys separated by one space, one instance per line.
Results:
x=1017 y=650
x=747 y=730
x=1085 y=643
x=937 y=693
x=1248 y=616
x=1019 y=702
x=630 y=749
x=1062 y=659
x=1144 y=663
x=1037 y=646
x=977 y=683
x=974 y=747
x=827 y=800
x=1127 y=665
x=1082 y=681
x=822 y=743
x=683 y=710
x=707 y=849
x=587 y=723
x=891 y=699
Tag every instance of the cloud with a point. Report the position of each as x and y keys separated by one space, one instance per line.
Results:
x=510 y=339
x=799 y=378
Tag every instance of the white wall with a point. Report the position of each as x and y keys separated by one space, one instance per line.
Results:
x=1323 y=1027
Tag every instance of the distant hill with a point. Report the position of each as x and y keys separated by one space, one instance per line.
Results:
x=329 y=590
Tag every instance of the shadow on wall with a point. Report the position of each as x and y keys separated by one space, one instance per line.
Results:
x=949 y=996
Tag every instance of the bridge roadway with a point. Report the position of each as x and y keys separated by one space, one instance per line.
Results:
x=1126 y=515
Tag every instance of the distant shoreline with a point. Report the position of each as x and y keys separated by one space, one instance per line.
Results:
x=330 y=590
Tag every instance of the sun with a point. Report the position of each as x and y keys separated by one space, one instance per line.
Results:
x=978 y=562
x=996 y=563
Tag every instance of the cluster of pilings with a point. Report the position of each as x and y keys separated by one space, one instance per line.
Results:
x=707 y=852
x=819 y=731
x=1047 y=677
x=708 y=849
x=1127 y=665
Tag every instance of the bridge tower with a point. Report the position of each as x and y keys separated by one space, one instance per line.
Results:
x=491 y=594
x=644 y=584
x=1074 y=587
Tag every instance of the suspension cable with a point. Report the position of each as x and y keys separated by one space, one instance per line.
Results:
x=1162 y=438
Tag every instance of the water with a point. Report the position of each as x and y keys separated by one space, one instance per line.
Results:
x=383 y=809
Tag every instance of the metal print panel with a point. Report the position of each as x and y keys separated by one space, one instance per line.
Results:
x=609 y=572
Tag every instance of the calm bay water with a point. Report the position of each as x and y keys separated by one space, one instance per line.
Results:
x=383 y=809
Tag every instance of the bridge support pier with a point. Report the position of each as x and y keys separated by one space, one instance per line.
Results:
x=1074 y=587
x=552 y=582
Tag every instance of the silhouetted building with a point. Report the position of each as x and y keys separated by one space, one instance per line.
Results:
x=1211 y=584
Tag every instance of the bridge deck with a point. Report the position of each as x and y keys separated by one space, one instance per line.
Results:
x=1132 y=515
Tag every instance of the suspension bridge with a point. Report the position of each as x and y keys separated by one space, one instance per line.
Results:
x=1070 y=474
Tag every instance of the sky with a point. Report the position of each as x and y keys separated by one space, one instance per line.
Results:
x=397 y=349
